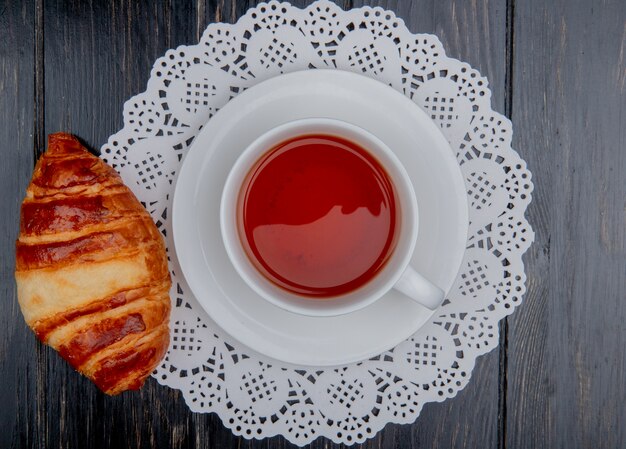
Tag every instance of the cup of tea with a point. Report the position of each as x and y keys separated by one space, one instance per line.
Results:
x=319 y=217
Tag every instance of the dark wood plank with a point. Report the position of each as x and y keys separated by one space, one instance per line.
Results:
x=567 y=343
x=18 y=393
x=474 y=32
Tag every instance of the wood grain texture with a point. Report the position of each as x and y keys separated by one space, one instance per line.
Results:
x=567 y=343
x=18 y=391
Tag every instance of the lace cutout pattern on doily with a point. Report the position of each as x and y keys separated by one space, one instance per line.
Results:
x=256 y=397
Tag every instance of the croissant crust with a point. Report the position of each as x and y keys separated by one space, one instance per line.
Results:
x=91 y=269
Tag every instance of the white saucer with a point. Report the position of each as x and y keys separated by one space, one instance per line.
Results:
x=367 y=103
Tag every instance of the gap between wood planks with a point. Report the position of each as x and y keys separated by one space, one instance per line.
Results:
x=39 y=138
x=504 y=324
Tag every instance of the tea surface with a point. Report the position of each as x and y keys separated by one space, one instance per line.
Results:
x=317 y=216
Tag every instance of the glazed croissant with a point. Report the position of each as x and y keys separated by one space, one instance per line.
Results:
x=91 y=269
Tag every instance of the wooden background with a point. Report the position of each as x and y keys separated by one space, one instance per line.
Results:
x=556 y=68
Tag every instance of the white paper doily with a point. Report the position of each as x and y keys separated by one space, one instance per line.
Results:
x=256 y=397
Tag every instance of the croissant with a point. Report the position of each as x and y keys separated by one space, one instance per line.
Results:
x=91 y=269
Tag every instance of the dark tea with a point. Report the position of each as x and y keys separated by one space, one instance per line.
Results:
x=317 y=216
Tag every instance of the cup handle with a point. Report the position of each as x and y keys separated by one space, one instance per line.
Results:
x=419 y=289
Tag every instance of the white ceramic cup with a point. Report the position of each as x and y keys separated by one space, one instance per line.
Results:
x=397 y=273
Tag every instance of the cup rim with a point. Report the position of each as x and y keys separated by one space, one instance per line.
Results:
x=341 y=304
